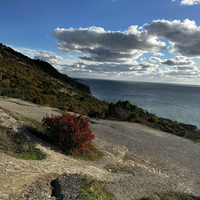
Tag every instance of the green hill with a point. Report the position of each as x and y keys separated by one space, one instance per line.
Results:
x=38 y=82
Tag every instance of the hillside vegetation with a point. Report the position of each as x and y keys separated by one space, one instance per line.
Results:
x=125 y=111
x=38 y=82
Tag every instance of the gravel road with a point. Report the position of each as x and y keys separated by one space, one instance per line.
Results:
x=173 y=157
x=160 y=161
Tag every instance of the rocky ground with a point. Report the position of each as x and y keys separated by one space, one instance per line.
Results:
x=140 y=160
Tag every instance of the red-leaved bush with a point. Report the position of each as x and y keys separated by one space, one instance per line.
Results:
x=71 y=132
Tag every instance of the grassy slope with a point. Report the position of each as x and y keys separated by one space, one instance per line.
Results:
x=24 y=78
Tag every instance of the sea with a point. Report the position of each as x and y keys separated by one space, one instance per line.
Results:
x=173 y=101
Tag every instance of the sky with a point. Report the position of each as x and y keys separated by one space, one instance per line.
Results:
x=135 y=40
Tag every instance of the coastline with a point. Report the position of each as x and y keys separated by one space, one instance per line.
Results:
x=175 y=102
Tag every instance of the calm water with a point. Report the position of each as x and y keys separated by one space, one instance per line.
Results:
x=177 y=102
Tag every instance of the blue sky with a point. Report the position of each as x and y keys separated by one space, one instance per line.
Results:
x=138 y=40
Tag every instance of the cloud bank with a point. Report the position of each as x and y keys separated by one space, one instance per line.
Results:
x=183 y=36
x=95 y=52
x=177 y=61
x=99 y=45
x=107 y=46
x=136 y=71
x=190 y=2
x=104 y=53
x=49 y=57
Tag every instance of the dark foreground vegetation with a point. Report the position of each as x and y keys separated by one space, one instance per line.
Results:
x=38 y=82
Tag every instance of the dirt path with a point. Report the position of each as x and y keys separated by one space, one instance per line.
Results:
x=154 y=160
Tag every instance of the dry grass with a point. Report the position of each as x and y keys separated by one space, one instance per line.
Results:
x=16 y=145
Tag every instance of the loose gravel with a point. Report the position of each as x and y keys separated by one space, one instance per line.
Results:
x=67 y=187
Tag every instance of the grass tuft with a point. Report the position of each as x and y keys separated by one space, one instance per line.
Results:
x=94 y=191
x=95 y=155
x=170 y=195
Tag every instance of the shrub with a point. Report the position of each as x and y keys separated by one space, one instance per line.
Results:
x=119 y=112
x=153 y=119
x=69 y=131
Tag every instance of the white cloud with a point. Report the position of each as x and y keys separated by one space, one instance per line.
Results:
x=181 y=69
x=26 y=51
x=49 y=57
x=96 y=44
x=112 y=68
x=186 y=68
x=158 y=54
x=177 y=61
x=113 y=54
x=107 y=46
x=184 y=36
x=188 y=74
x=143 y=71
x=190 y=2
